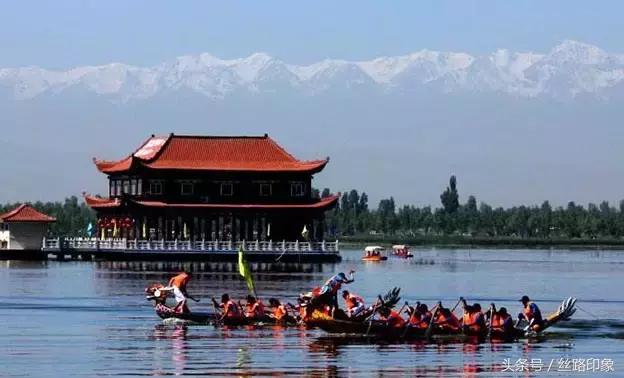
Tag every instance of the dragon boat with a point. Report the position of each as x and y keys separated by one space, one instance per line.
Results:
x=155 y=293
x=372 y=328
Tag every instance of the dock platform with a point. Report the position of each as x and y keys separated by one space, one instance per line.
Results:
x=186 y=250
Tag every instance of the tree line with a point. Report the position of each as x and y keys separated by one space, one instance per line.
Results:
x=352 y=217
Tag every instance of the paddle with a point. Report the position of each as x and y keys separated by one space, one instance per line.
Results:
x=492 y=309
x=370 y=317
x=433 y=315
x=457 y=304
x=218 y=318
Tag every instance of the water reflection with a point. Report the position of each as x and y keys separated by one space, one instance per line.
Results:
x=91 y=318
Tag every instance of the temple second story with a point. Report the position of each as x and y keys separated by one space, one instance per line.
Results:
x=208 y=169
x=175 y=185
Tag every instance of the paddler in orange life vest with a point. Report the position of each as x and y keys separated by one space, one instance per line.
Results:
x=229 y=309
x=446 y=321
x=353 y=303
x=473 y=321
x=280 y=312
x=254 y=309
x=501 y=321
x=178 y=285
x=532 y=314
x=420 y=316
x=391 y=317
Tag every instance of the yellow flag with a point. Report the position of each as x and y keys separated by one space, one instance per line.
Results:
x=244 y=271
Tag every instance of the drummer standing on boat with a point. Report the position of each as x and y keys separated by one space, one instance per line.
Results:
x=178 y=285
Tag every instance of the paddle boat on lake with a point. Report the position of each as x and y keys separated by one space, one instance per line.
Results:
x=402 y=251
x=374 y=253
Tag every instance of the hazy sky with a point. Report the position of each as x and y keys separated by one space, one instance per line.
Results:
x=62 y=34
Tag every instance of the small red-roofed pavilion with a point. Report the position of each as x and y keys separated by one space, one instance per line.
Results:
x=23 y=228
x=181 y=187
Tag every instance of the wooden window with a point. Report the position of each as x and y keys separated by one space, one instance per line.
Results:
x=266 y=189
x=156 y=187
x=111 y=188
x=186 y=188
x=227 y=189
x=126 y=186
x=117 y=187
x=133 y=187
x=297 y=189
x=139 y=187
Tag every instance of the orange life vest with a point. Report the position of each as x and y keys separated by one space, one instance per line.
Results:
x=353 y=301
x=394 y=320
x=180 y=280
x=498 y=321
x=279 y=312
x=254 y=310
x=447 y=322
x=420 y=320
x=230 y=309
x=472 y=320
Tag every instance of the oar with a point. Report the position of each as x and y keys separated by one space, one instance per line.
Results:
x=433 y=315
x=217 y=317
x=457 y=304
x=370 y=317
x=489 y=335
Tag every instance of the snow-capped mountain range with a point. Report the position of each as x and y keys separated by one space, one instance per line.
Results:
x=570 y=69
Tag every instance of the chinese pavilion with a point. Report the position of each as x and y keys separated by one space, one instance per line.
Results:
x=181 y=187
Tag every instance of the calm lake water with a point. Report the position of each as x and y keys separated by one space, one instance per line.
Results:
x=91 y=319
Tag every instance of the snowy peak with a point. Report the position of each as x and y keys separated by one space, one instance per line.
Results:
x=569 y=69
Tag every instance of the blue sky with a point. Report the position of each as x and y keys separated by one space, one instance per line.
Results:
x=61 y=34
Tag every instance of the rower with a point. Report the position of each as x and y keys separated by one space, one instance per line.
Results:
x=178 y=284
x=329 y=292
x=446 y=321
x=501 y=321
x=353 y=303
x=420 y=316
x=254 y=309
x=473 y=320
x=391 y=317
x=229 y=309
x=532 y=314
x=280 y=312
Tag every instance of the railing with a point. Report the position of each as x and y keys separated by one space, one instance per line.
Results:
x=188 y=245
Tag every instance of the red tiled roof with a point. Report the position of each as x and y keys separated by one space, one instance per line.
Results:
x=25 y=213
x=99 y=203
x=214 y=153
